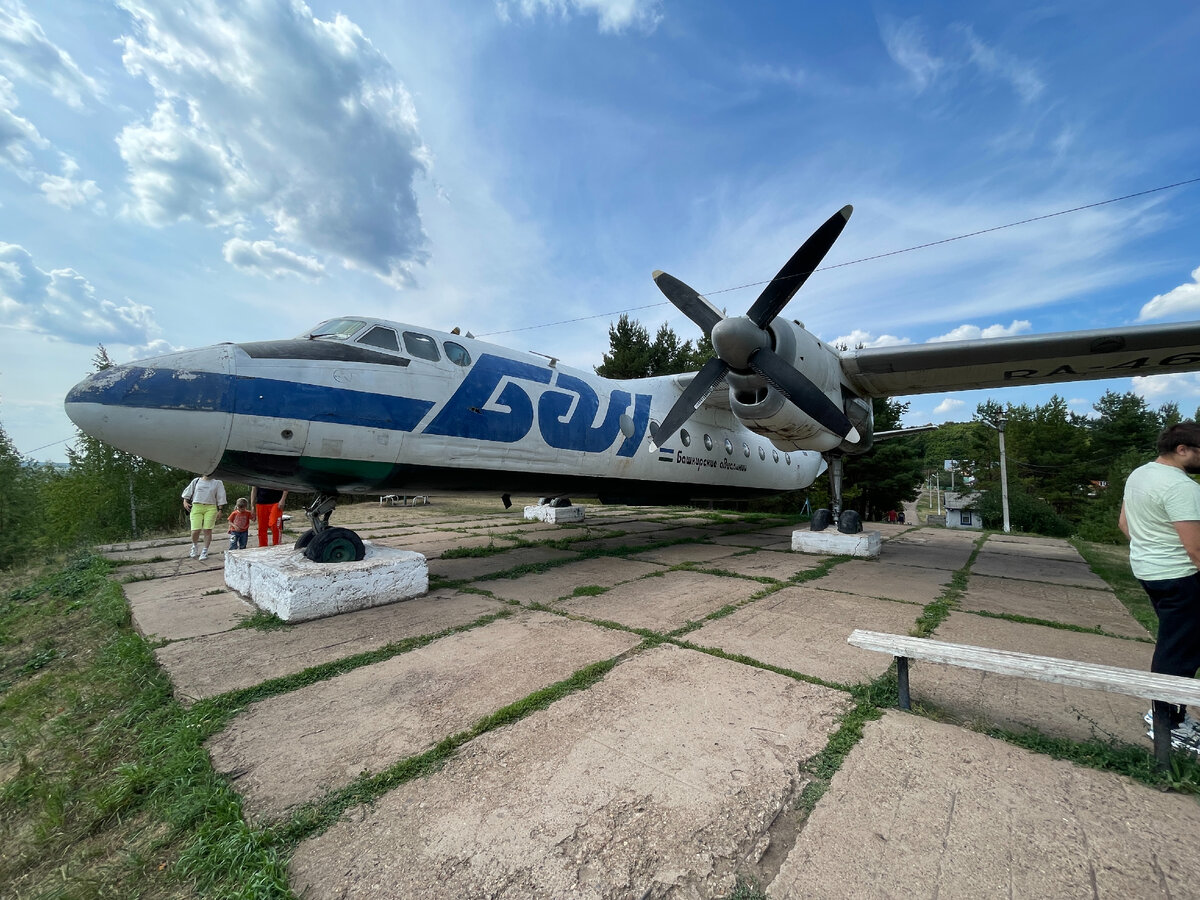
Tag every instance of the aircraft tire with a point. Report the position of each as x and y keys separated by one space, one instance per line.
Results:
x=305 y=539
x=821 y=519
x=334 y=545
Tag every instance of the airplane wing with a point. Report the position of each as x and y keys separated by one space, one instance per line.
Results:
x=718 y=398
x=1017 y=361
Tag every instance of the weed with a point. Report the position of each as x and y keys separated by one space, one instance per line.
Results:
x=589 y=590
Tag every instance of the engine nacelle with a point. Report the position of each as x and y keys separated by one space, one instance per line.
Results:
x=766 y=412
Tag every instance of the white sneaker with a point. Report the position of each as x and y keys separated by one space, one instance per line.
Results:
x=204 y=554
x=192 y=552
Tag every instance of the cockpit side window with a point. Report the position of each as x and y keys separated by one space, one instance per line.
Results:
x=421 y=346
x=383 y=338
x=457 y=354
x=336 y=329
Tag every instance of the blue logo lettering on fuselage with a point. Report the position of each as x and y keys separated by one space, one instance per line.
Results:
x=465 y=414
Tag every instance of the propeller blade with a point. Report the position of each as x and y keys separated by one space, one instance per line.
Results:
x=693 y=395
x=688 y=301
x=797 y=269
x=794 y=385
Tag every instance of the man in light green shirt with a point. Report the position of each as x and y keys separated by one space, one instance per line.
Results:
x=1161 y=517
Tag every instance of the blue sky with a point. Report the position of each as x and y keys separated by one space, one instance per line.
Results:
x=176 y=174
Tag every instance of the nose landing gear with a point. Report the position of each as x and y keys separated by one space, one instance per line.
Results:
x=325 y=544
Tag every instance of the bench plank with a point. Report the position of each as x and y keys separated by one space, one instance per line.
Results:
x=1114 y=679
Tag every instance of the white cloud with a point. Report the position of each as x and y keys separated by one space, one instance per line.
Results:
x=948 y=407
x=269 y=259
x=17 y=134
x=859 y=338
x=67 y=191
x=1156 y=389
x=27 y=55
x=614 y=15
x=1021 y=76
x=974 y=332
x=906 y=45
x=1183 y=299
x=266 y=113
x=62 y=303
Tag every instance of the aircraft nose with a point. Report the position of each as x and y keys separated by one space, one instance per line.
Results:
x=175 y=409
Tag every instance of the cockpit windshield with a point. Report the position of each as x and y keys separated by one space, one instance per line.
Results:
x=335 y=330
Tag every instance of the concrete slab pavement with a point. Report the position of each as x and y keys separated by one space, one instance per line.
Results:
x=1022 y=704
x=251 y=656
x=661 y=780
x=1086 y=607
x=923 y=809
x=804 y=629
x=663 y=603
x=292 y=748
x=678 y=769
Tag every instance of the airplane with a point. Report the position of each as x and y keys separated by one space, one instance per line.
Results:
x=366 y=405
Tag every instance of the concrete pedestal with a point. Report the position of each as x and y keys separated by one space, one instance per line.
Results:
x=865 y=544
x=555 y=514
x=282 y=581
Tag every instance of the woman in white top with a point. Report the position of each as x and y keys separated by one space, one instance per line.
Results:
x=203 y=498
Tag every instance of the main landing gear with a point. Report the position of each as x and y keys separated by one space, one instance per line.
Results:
x=325 y=544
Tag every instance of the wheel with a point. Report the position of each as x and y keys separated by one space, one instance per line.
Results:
x=305 y=539
x=821 y=519
x=335 y=545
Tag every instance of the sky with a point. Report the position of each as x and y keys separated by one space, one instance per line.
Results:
x=178 y=174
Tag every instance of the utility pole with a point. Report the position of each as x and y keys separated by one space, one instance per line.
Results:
x=999 y=426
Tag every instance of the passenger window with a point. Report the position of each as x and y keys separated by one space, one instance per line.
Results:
x=421 y=346
x=457 y=354
x=383 y=338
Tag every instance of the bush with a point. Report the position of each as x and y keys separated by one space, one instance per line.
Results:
x=1025 y=513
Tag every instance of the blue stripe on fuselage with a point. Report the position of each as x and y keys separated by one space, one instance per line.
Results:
x=149 y=388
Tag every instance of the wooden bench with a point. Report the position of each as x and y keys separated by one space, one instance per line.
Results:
x=1114 y=679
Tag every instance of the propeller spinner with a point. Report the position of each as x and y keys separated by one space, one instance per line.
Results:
x=743 y=344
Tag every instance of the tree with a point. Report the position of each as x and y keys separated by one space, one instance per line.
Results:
x=633 y=355
x=20 y=520
x=888 y=475
x=1124 y=422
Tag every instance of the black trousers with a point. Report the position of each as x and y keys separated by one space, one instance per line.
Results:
x=1177 y=652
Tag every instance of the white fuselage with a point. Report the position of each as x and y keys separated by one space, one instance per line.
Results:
x=337 y=415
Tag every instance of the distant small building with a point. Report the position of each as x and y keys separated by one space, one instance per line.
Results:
x=961 y=511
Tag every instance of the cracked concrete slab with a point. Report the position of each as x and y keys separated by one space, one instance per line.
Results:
x=768 y=563
x=1022 y=704
x=435 y=547
x=805 y=629
x=925 y=553
x=683 y=553
x=1024 y=546
x=922 y=809
x=1030 y=568
x=1052 y=602
x=662 y=779
x=468 y=567
x=754 y=539
x=885 y=579
x=663 y=603
x=292 y=748
x=561 y=581
x=250 y=656
x=185 y=606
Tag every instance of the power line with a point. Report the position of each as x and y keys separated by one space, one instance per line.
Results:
x=854 y=262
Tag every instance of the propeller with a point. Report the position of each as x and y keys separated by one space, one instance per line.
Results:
x=743 y=344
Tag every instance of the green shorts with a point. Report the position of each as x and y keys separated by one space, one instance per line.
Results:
x=204 y=515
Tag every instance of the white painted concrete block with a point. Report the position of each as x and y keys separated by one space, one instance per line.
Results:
x=555 y=514
x=281 y=580
x=866 y=544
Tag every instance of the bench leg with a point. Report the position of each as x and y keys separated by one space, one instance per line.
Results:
x=1162 y=735
x=902 y=681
